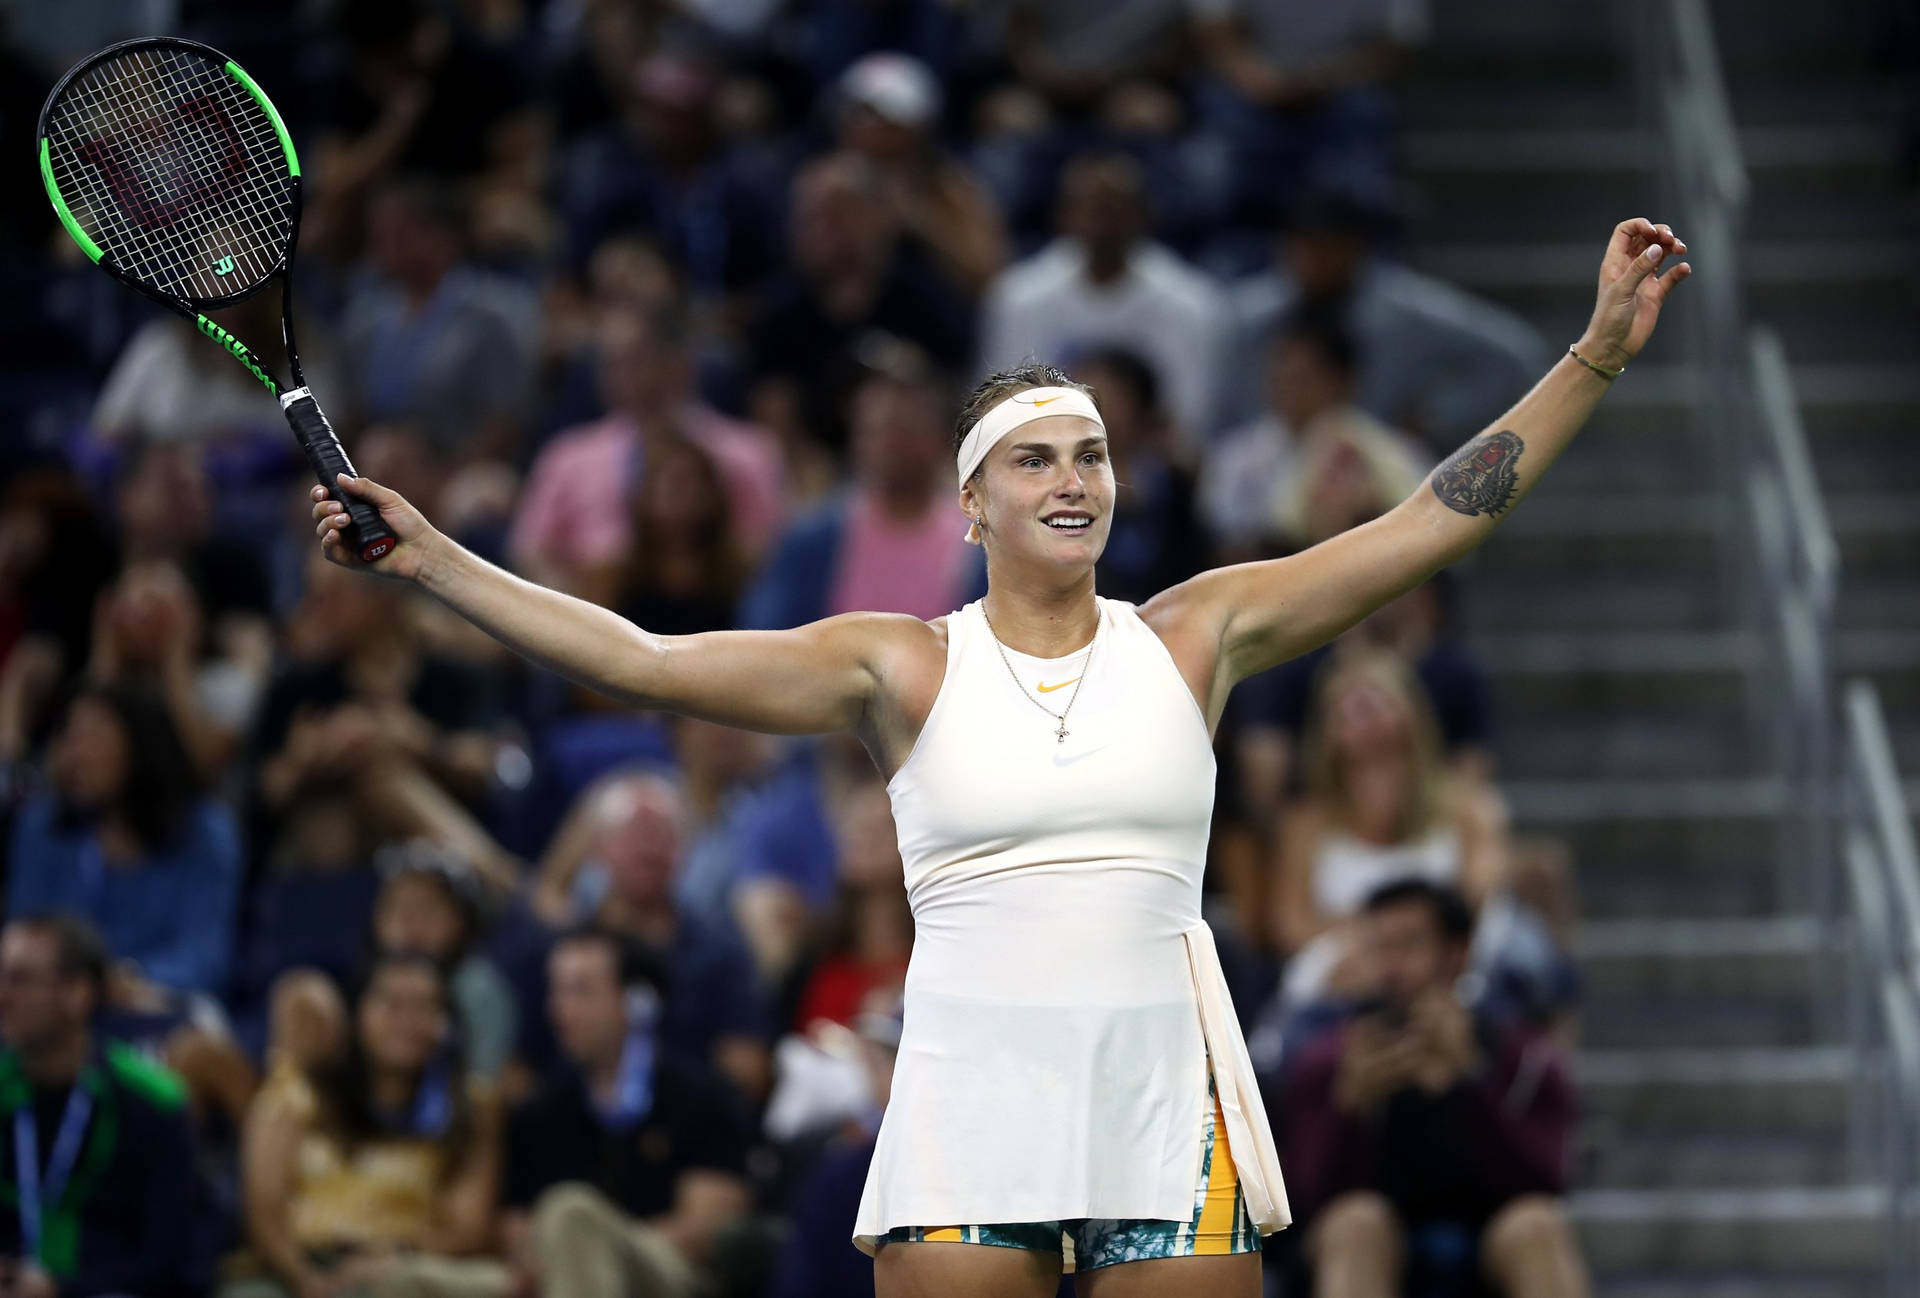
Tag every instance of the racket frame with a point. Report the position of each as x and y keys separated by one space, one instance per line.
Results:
x=296 y=401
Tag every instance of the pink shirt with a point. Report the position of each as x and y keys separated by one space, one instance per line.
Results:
x=892 y=567
x=575 y=508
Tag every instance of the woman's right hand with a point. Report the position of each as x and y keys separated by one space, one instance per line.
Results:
x=413 y=534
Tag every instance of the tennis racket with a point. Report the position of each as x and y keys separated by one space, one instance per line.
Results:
x=174 y=173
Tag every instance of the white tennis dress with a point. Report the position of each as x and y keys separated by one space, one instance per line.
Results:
x=1064 y=996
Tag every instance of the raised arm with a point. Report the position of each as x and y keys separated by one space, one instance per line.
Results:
x=1261 y=614
x=809 y=680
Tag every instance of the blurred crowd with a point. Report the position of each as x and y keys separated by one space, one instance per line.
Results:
x=445 y=978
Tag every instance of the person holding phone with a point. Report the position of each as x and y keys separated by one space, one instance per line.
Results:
x=1419 y=1133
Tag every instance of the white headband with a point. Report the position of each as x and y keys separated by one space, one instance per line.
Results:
x=1021 y=408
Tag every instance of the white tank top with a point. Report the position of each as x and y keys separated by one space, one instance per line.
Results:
x=1063 y=997
x=1347 y=870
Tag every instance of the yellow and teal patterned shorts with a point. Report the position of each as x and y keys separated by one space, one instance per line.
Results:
x=1219 y=1225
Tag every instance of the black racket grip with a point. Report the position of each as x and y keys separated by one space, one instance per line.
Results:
x=370 y=536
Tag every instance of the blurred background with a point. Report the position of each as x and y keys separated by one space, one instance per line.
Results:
x=669 y=304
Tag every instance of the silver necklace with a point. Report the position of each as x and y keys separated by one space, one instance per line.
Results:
x=1059 y=735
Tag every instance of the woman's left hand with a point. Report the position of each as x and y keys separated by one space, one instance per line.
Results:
x=1631 y=294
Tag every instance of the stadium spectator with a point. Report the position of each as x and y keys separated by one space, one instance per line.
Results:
x=666 y=169
x=428 y=339
x=790 y=847
x=628 y=1163
x=1299 y=89
x=1312 y=464
x=379 y=1170
x=476 y=500
x=574 y=517
x=96 y=1136
x=148 y=633
x=1379 y=806
x=890 y=114
x=724 y=774
x=56 y=555
x=164 y=507
x=431 y=904
x=684 y=571
x=1430 y=358
x=1103 y=282
x=414 y=94
x=123 y=837
x=1270 y=710
x=934 y=32
x=893 y=543
x=856 y=281
x=818 y=1262
x=638 y=827
x=168 y=386
x=864 y=944
x=366 y=735
x=1415 y=1131
x=1156 y=540
x=1080 y=55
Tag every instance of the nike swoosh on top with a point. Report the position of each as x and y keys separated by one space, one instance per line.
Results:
x=1048 y=689
x=1044 y=401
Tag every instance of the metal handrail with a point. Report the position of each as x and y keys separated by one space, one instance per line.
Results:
x=1885 y=871
x=1779 y=410
x=1705 y=102
x=1871 y=952
x=1900 y=1013
x=1882 y=812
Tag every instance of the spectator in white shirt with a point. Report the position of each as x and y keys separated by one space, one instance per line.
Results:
x=1311 y=461
x=1103 y=282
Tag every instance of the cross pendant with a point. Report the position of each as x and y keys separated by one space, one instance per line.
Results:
x=1060 y=735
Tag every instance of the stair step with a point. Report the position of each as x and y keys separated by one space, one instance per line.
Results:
x=1744 y=1284
x=1664 y=1158
x=1705 y=1090
x=1655 y=599
x=1654 y=957
x=1549 y=744
x=1784 y=1230
x=1680 y=1022
x=1661 y=881
x=1692 y=847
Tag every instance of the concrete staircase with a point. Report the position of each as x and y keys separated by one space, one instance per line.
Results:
x=1714 y=1146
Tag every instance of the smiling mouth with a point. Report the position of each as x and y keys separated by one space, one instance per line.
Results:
x=1069 y=526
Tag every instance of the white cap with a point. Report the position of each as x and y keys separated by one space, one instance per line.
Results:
x=901 y=89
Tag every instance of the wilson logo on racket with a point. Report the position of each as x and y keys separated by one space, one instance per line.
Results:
x=224 y=266
x=239 y=350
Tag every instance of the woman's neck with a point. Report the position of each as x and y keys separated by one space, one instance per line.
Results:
x=1033 y=618
x=1378 y=793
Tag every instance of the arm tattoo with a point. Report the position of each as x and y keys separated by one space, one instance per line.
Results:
x=1479 y=477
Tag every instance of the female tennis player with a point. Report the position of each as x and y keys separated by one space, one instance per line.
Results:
x=1071 y=1089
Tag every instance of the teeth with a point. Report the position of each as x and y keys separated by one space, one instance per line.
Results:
x=1069 y=524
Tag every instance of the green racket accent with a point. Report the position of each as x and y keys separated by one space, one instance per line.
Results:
x=239 y=74
x=239 y=350
x=87 y=245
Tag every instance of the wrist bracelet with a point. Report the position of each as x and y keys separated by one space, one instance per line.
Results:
x=1601 y=370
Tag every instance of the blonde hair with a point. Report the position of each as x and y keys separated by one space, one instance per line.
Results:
x=1326 y=776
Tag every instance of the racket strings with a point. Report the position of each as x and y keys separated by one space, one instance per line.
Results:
x=177 y=170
